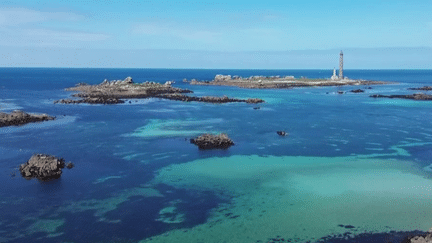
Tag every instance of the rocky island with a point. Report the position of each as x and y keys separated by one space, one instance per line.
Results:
x=210 y=141
x=278 y=82
x=418 y=96
x=17 y=117
x=113 y=92
x=43 y=167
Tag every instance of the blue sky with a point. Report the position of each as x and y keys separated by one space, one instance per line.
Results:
x=279 y=34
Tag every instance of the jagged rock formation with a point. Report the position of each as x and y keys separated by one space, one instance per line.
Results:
x=17 y=117
x=209 y=141
x=419 y=96
x=43 y=167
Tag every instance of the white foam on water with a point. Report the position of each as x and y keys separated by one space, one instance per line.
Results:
x=172 y=128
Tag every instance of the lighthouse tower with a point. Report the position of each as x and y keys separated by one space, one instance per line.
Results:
x=341 y=76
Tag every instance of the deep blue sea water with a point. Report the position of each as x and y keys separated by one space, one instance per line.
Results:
x=131 y=181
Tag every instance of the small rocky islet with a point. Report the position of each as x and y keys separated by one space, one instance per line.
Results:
x=114 y=92
x=17 y=117
x=44 y=167
x=210 y=141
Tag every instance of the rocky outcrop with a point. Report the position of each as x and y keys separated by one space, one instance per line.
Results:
x=17 y=117
x=421 y=238
x=282 y=133
x=254 y=101
x=425 y=88
x=207 y=99
x=93 y=101
x=112 y=92
x=419 y=96
x=357 y=91
x=209 y=141
x=43 y=167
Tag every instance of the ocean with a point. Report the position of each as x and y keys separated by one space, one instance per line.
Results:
x=351 y=165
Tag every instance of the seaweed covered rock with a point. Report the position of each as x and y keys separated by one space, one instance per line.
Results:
x=18 y=117
x=210 y=141
x=43 y=167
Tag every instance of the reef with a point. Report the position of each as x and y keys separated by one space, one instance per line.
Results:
x=209 y=141
x=278 y=82
x=208 y=99
x=113 y=92
x=43 y=167
x=425 y=88
x=17 y=117
x=418 y=96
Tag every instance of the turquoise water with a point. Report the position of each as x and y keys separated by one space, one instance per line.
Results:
x=348 y=160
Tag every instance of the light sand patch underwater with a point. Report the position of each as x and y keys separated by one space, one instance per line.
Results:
x=172 y=128
x=302 y=197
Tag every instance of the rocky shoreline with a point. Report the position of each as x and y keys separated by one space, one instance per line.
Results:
x=17 y=117
x=278 y=82
x=418 y=96
x=113 y=92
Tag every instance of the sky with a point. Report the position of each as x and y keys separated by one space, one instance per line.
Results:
x=216 y=34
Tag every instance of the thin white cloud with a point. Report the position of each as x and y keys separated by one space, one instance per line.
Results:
x=18 y=16
x=185 y=33
x=52 y=35
x=46 y=37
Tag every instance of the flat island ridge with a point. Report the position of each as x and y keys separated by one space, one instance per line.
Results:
x=278 y=82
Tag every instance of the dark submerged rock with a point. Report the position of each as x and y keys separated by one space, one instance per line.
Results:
x=426 y=88
x=282 y=133
x=357 y=91
x=17 y=117
x=70 y=165
x=210 y=141
x=43 y=167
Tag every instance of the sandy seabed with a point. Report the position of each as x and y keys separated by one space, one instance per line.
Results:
x=302 y=198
